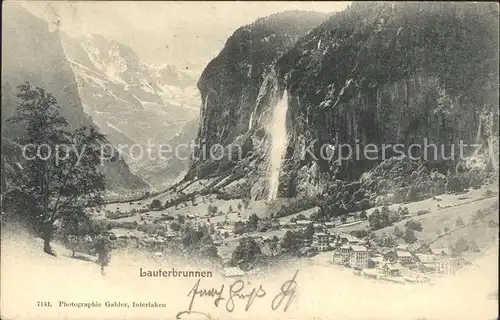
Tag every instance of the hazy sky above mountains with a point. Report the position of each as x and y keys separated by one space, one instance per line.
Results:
x=181 y=33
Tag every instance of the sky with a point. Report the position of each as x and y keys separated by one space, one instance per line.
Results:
x=171 y=32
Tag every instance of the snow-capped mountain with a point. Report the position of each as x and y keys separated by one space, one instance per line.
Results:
x=176 y=87
x=132 y=102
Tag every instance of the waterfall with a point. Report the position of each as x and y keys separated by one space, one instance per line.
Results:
x=278 y=134
x=479 y=130
x=203 y=112
x=250 y=122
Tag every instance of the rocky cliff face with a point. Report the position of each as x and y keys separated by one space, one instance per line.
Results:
x=31 y=53
x=393 y=73
x=231 y=82
x=374 y=73
x=132 y=102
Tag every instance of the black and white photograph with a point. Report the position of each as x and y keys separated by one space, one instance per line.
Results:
x=300 y=160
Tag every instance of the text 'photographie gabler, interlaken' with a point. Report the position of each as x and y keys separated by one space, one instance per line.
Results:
x=249 y=160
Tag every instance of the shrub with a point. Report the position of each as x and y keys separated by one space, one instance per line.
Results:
x=398 y=233
x=411 y=195
x=414 y=225
x=457 y=183
x=359 y=195
x=212 y=210
x=422 y=212
x=388 y=241
x=473 y=246
x=118 y=215
x=409 y=236
x=301 y=217
x=155 y=205
x=246 y=203
x=460 y=246
x=363 y=204
x=375 y=220
x=480 y=214
x=291 y=242
x=239 y=228
x=246 y=253
x=359 y=233
x=403 y=211
x=252 y=223
x=363 y=215
x=174 y=226
x=492 y=224
x=459 y=222
x=488 y=193
x=181 y=219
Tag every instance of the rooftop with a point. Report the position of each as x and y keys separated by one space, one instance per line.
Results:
x=358 y=248
x=425 y=258
x=393 y=267
x=303 y=222
x=403 y=254
x=377 y=259
x=443 y=250
x=233 y=272
x=321 y=234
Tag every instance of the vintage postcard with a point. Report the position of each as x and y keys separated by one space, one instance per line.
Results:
x=249 y=160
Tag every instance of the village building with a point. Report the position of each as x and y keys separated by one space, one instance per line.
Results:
x=404 y=257
x=358 y=256
x=375 y=261
x=255 y=236
x=449 y=265
x=390 y=269
x=307 y=251
x=303 y=223
x=329 y=224
x=440 y=251
x=345 y=252
x=321 y=241
x=307 y=242
x=390 y=256
x=275 y=224
x=345 y=238
x=122 y=234
x=425 y=262
x=402 y=247
x=338 y=259
x=232 y=272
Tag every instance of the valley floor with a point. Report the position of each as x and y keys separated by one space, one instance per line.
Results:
x=324 y=291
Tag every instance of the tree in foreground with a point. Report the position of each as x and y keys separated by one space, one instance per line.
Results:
x=103 y=248
x=60 y=174
x=78 y=230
